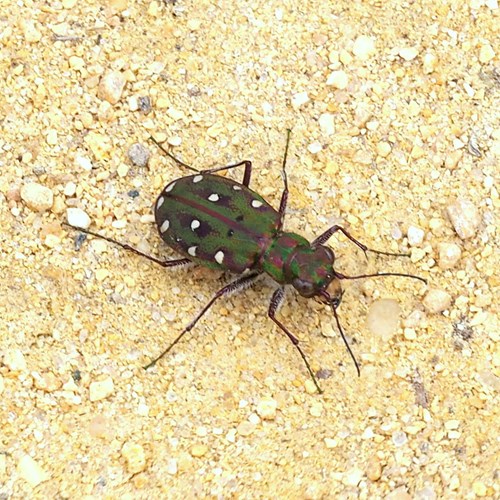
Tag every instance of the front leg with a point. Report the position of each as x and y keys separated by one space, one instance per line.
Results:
x=276 y=300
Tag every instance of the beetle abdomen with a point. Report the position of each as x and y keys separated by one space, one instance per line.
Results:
x=215 y=221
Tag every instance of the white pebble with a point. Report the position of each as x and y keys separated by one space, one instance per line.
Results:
x=449 y=255
x=338 y=79
x=408 y=53
x=14 y=360
x=436 y=300
x=415 y=236
x=300 y=99
x=465 y=218
x=353 y=477
x=383 y=318
x=327 y=123
x=138 y=155
x=31 y=471
x=175 y=140
x=135 y=457
x=37 y=197
x=314 y=148
x=101 y=389
x=429 y=63
x=266 y=408
x=111 y=87
x=76 y=217
x=70 y=189
x=84 y=163
x=364 y=47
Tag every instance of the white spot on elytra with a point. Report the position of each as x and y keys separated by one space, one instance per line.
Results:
x=195 y=224
x=197 y=178
x=160 y=202
x=170 y=187
x=237 y=188
x=164 y=226
x=213 y=197
x=219 y=257
x=192 y=251
x=256 y=203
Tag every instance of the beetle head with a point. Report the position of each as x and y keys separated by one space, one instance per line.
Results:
x=312 y=275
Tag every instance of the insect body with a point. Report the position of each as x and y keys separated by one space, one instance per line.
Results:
x=223 y=224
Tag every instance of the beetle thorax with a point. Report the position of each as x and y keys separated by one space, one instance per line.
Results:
x=291 y=259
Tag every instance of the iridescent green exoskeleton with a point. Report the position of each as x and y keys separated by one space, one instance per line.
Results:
x=224 y=225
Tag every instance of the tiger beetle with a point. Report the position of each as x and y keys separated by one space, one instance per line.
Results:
x=224 y=225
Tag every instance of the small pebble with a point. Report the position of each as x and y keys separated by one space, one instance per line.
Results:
x=338 y=79
x=99 y=427
x=70 y=189
x=426 y=493
x=138 y=155
x=364 y=47
x=316 y=409
x=399 y=438
x=408 y=53
x=310 y=387
x=31 y=471
x=14 y=360
x=327 y=123
x=479 y=488
x=76 y=217
x=430 y=63
x=174 y=140
x=314 y=148
x=135 y=457
x=436 y=301
x=111 y=87
x=245 y=428
x=101 y=389
x=300 y=99
x=452 y=159
x=47 y=382
x=465 y=218
x=84 y=163
x=486 y=53
x=330 y=443
x=353 y=477
x=415 y=236
x=449 y=255
x=383 y=149
x=199 y=450
x=172 y=467
x=266 y=408
x=374 y=469
x=399 y=494
x=37 y=197
x=144 y=103
x=383 y=318
x=452 y=424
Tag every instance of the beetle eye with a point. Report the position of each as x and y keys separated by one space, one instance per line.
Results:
x=305 y=288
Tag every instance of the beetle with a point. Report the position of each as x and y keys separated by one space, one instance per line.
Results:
x=224 y=225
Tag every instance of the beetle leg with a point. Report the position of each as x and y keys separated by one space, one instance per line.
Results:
x=246 y=176
x=276 y=300
x=237 y=284
x=284 y=194
x=125 y=246
x=171 y=156
x=323 y=238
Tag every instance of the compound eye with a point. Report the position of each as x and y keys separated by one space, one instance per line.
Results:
x=305 y=288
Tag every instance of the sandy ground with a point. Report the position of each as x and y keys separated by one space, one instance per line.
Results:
x=394 y=108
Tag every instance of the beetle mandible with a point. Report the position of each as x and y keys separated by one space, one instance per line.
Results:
x=224 y=225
